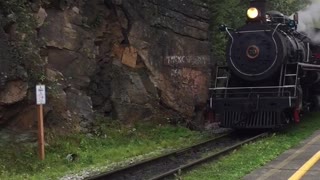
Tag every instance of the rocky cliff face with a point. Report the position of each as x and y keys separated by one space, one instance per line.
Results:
x=130 y=59
x=13 y=80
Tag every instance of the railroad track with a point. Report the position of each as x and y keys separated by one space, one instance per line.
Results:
x=171 y=163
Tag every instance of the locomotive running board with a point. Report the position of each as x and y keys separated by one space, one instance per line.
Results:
x=252 y=88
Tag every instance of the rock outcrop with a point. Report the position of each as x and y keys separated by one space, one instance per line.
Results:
x=129 y=59
x=13 y=80
x=171 y=38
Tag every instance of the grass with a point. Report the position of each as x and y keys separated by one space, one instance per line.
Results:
x=114 y=145
x=254 y=155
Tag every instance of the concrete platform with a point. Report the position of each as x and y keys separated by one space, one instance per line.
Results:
x=294 y=163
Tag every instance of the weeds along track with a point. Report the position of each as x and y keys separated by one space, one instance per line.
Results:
x=175 y=162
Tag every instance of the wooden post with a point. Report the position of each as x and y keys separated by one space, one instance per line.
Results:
x=41 y=100
x=40 y=131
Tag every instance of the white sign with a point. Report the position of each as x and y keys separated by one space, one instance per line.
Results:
x=41 y=94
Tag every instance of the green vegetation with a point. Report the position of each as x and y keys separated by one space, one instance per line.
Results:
x=17 y=11
x=111 y=146
x=17 y=18
x=257 y=154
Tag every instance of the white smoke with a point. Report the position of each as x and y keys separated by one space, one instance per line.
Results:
x=309 y=19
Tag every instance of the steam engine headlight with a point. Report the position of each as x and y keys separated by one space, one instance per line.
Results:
x=252 y=13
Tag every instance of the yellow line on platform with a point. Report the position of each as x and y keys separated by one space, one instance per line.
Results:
x=306 y=167
x=289 y=159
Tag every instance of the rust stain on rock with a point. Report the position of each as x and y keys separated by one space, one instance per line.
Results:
x=13 y=92
x=130 y=56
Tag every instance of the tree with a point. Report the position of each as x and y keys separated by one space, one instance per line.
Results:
x=287 y=7
x=231 y=13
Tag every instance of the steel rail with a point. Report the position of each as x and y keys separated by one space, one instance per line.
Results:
x=143 y=162
x=214 y=156
x=192 y=152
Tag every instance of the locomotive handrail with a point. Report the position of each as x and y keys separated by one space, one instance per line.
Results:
x=253 y=31
x=227 y=30
x=308 y=52
x=310 y=69
x=305 y=66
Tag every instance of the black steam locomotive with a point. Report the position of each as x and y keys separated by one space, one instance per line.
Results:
x=270 y=75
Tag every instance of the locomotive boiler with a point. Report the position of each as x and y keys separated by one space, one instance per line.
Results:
x=270 y=73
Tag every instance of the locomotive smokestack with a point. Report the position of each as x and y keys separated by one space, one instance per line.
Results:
x=261 y=5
